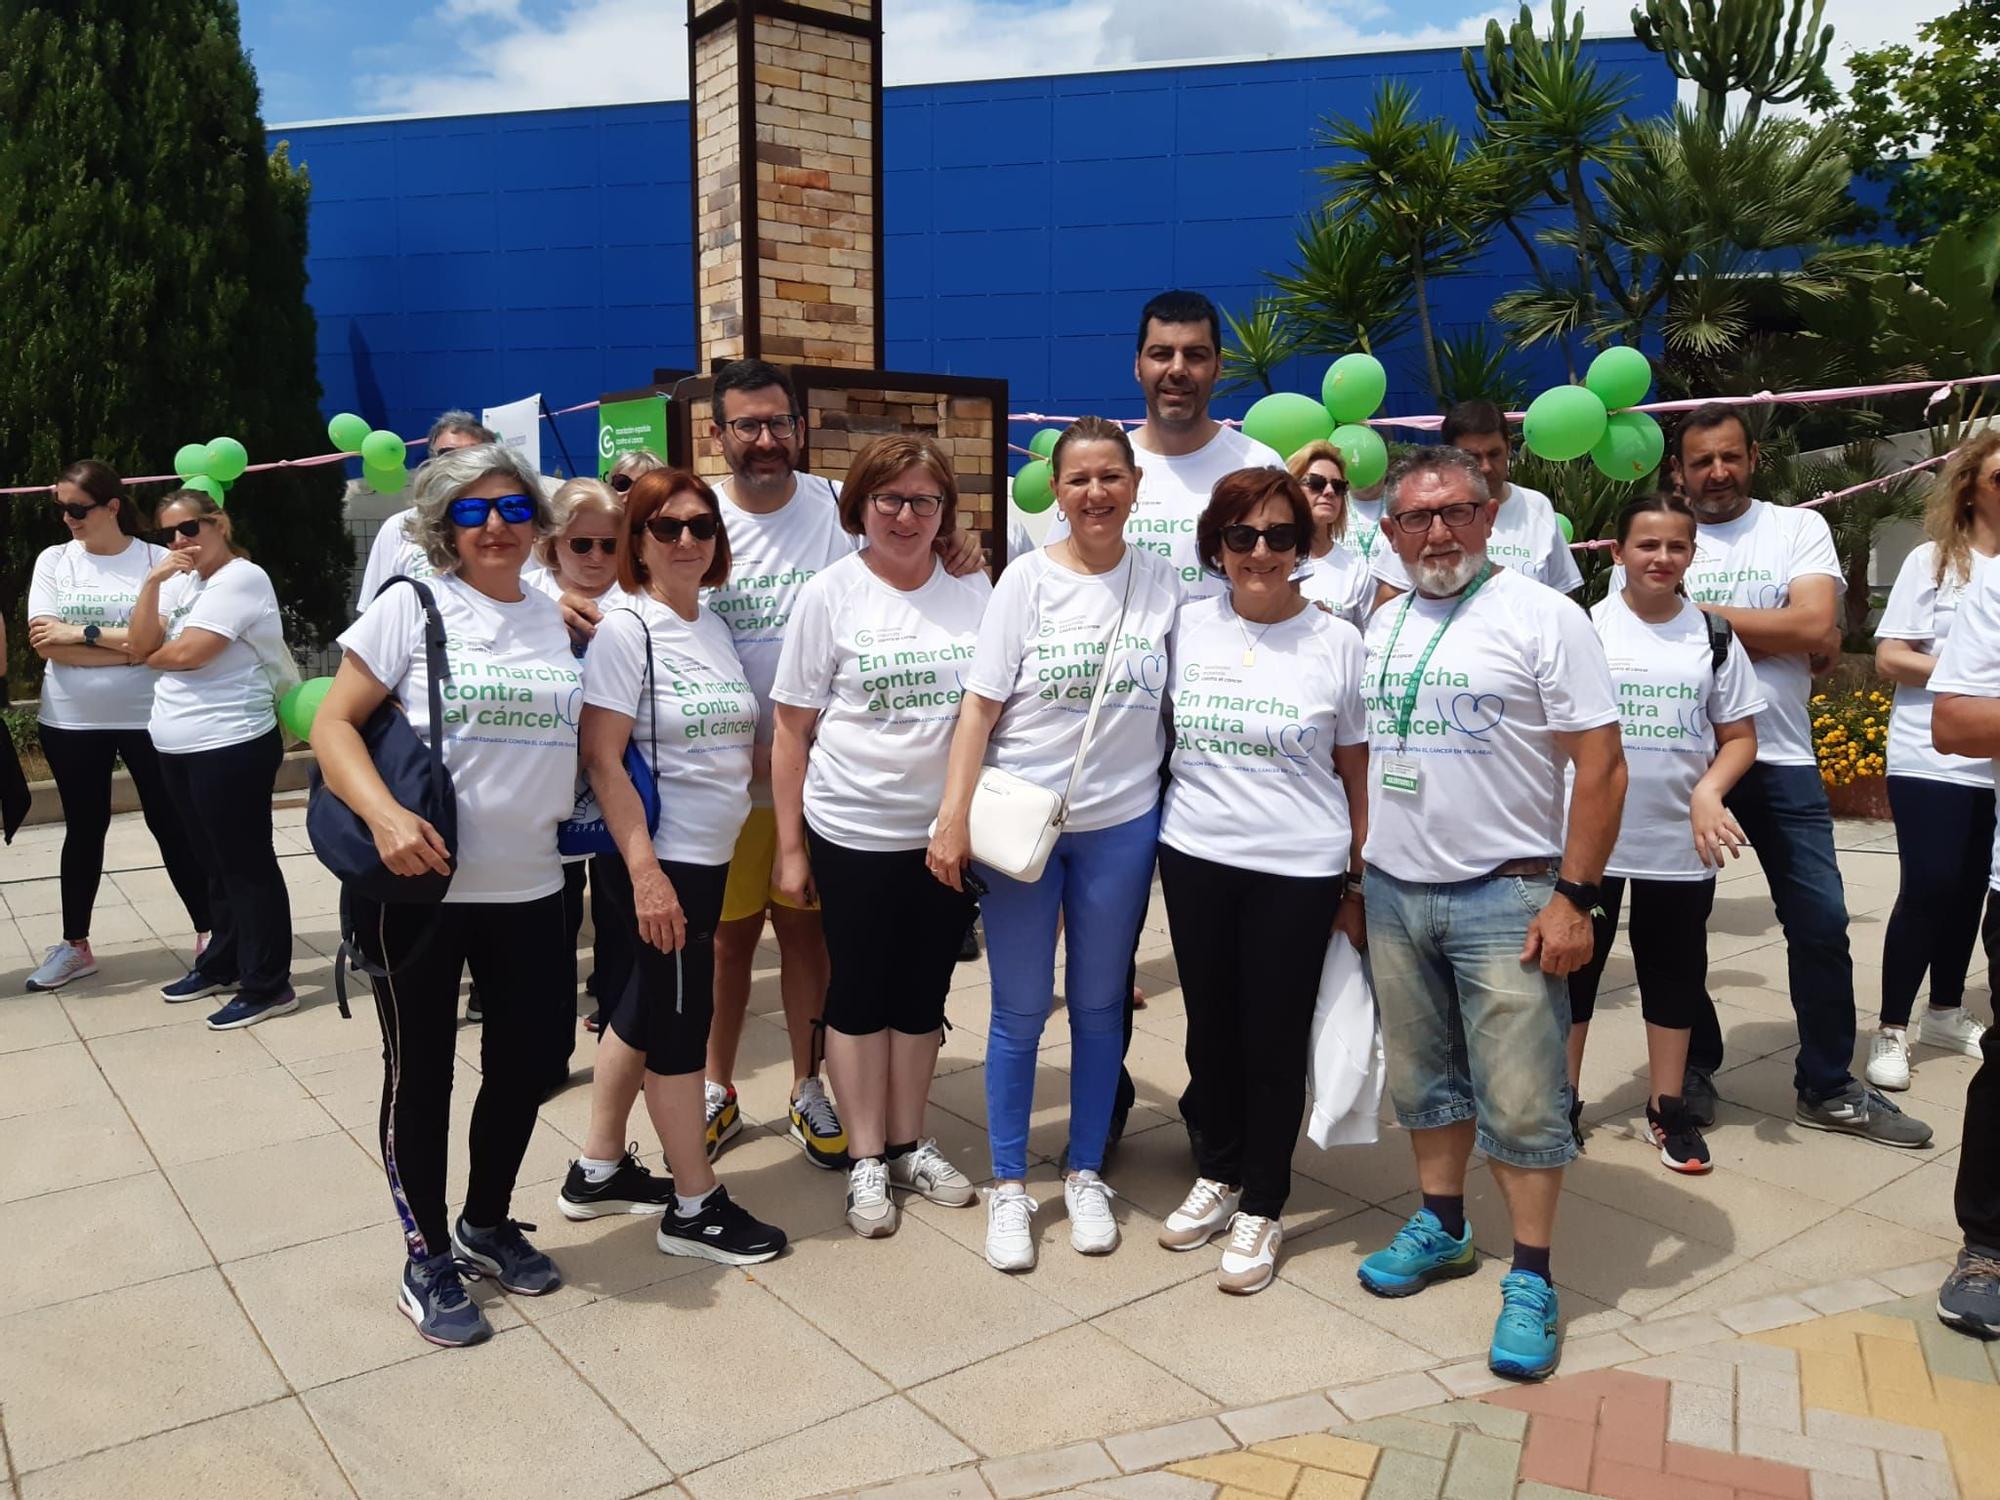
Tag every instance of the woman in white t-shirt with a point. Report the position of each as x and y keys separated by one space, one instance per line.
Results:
x=1687 y=705
x=1085 y=605
x=509 y=710
x=663 y=676
x=866 y=697
x=1260 y=855
x=1336 y=575
x=95 y=703
x=1942 y=804
x=207 y=621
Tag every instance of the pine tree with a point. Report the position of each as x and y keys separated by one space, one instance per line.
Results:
x=152 y=282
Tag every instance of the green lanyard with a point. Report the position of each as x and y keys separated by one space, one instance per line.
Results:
x=1407 y=709
x=1366 y=540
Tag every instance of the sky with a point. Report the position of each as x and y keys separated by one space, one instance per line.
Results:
x=320 y=61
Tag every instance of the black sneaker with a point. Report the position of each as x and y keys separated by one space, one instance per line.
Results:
x=1698 y=1096
x=474 y=1011
x=1969 y=1300
x=1859 y=1110
x=433 y=1298
x=721 y=1231
x=1681 y=1147
x=631 y=1189
x=968 y=946
x=505 y=1255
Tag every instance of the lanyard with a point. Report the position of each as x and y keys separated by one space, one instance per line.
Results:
x=1408 y=707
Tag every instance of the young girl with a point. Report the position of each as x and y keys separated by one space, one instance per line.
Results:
x=1687 y=699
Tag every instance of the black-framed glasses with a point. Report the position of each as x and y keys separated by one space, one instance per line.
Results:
x=77 y=512
x=581 y=545
x=1283 y=537
x=471 y=512
x=1319 y=482
x=892 y=505
x=749 y=429
x=1458 y=515
x=190 y=529
x=668 y=529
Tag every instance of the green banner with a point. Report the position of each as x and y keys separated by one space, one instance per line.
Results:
x=630 y=426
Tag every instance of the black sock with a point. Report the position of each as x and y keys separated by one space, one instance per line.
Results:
x=1533 y=1258
x=896 y=1152
x=1450 y=1212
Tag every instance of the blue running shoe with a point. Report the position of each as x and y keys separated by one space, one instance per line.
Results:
x=1525 y=1341
x=247 y=1011
x=505 y=1255
x=433 y=1298
x=195 y=985
x=1420 y=1253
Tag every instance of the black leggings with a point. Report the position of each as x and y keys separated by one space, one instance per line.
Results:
x=1978 y=1194
x=611 y=926
x=225 y=801
x=516 y=953
x=892 y=934
x=1249 y=947
x=1944 y=844
x=81 y=762
x=1669 y=950
x=664 y=1006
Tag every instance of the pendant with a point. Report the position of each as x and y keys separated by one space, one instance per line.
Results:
x=1249 y=658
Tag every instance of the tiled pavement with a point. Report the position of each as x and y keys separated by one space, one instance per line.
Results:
x=202 y=1256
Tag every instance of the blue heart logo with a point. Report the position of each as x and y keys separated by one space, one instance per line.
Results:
x=571 y=707
x=1477 y=714
x=1296 y=741
x=1152 y=673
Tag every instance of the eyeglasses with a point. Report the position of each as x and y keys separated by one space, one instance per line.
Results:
x=749 y=429
x=189 y=529
x=620 y=482
x=1458 y=515
x=1318 y=482
x=892 y=505
x=668 y=529
x=1283 y=537
x=471 y=513
x=76 y=512
x=581 y=545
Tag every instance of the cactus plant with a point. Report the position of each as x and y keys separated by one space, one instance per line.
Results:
x=1758 y=47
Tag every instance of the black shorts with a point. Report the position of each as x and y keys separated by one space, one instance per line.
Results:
x=893 y=932
x=665 y=1004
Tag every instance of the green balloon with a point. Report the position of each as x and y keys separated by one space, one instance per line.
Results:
x=191 y=459
x=207 y=485
x=1287 y=421
x=347 y=432
x=1034 y=487
x=1619 y=376
x=1566 y=526
x=227 y=458
x=1563 y=423
x=385 y=481
x=1631 y=447
x=1354 y=387
x=1043 y=443
x=1363 y=452
x=297 y=708
x=383 y=450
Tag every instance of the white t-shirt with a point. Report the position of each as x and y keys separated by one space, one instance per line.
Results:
x=1921 y=610
x=1252 y=782
x=1524 y=539
x=1364 y=528
x=1970 y=661
x=510 y=710
x=82 y=588
x=1670 y=697
x=707 y=720
x=1341 y=581
x=233 y=698
x=1750 y=563
x=1517 y=664
x=1173 y=492
x=390 y=554
x=885 y=669
x=1040 y=648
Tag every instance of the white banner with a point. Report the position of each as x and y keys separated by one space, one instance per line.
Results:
x=519 y=426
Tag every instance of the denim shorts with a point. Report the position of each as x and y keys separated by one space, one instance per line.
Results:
x=1471 y=1032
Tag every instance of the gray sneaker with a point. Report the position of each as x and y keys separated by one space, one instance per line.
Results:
x=62 y=963
x=1859 y=1110
x=1969 y=1300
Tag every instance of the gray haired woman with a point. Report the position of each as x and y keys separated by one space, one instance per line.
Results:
x=509 y=738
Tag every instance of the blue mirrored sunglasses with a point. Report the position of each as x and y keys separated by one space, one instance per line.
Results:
x=472 y=513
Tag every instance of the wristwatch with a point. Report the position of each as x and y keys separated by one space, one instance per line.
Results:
x=1588 y=899
x=91 y=633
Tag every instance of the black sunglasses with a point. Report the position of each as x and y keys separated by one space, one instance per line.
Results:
x=668 y=529
x=1318 y=482
x=1283 y=537
x=620 y=482
x=581 y=545
x=77 y=512
x=1458 y=515
x=190 y=529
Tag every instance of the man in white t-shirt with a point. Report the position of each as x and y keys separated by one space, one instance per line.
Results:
x=392 y=552
x=1482 y=684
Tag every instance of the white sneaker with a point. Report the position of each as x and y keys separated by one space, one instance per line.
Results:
x=1203 y=1214
x=1955 y=1029
x=1250 y=1259
x=1010 y=1229
x=61 y=964
x=927 y=1171
x=871 y=1212
x=1092 y=1230
x=1889 y=1059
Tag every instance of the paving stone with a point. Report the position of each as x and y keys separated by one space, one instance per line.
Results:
x=1600 y=1351
x=1692 y=1368
x=1158 y=1446
x=1276 y=1419
x=1765 y=1313
x=1322 y=1450
x=1872 y=1432
x=1627 y=1482
x=1847 y=1296
x=959 y=1484
x=1803 y=1452
x=1754 y=1475
x=1481 y=1468
x=1407 y=1476
x=1701 y=1416
x=1670 y=1335
x=1157 y=1486
x=1953 y=1354
x=1906 y=1478
x=1558 y=1452
x=1246 y=1471
x=1912 y=1281
x=1038 y=1473
x=1388 y=1397
x=1846 y=1487
x=1407 y=1434
x=1323 y=1484
x=1471 y=1377
x=1769 y=1397
x=1531 y=1489
x=1495 y=1421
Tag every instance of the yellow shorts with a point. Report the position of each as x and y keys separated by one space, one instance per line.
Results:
x=750 y=890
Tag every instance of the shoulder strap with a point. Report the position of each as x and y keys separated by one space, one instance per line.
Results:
x=437 y=667
x=1103 y=679
x=1720 y=634
x=652 y=696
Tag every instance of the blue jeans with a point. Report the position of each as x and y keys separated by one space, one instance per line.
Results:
x=1471 y=1032
x=1097 y=882
x=1784 y=811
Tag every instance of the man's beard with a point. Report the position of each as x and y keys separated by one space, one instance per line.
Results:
x=1441 y=577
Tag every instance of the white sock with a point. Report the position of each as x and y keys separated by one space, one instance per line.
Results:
x=686 y=1207
x=598 y=1171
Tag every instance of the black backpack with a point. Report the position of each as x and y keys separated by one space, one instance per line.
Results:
x=1720 y=634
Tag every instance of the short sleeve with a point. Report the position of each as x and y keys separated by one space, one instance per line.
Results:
x=42 y=588
x=806 y=664
x=1388 y=568
x=614 y=668
x=1003 y=636
x=1812 y=554
x=1350 y=662
x=231 y=604
x=1559 y=569
x=1737 y=693
x=1970 y=662
x=1911 y=613
x=387 y=637
x=380 y=566
x=1572 y=673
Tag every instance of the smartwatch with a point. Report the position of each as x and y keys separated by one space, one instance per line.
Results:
x=91 y=633
x=1588 y=899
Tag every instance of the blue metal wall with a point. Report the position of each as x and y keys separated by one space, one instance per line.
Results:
x=471 y=260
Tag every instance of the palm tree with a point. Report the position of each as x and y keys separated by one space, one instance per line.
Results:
x=1253 y=347
x=1349 y=287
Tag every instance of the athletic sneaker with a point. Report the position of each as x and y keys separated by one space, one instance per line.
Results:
x=1092 y=1230
x=1954 y=1029
x=1859 y=1110
x=1204 y=1213
x=1969 y=1300
x=504 y=1254
x=817 y=1128
x=724 y=1118
x=1010 y=1228
x=968 y=946
x=244 y=1011
x=1420 y=1253
x=433 y=1298
x=630 y=1189
x=1682 y=1148
x=871 y=1212
x=474 y=1011
x=1889 y=1059
x=927 y=1172
x=1250 y=1259
x=62 y=963
x=1526 y=1343
x=721 y=1231
x=195 y=985
x=1698 y=1094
